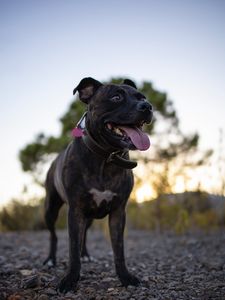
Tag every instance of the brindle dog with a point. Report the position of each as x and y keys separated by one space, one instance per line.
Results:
x=93 y=174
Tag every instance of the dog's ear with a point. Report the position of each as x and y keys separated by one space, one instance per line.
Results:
x=130 y=83
x=86 y=88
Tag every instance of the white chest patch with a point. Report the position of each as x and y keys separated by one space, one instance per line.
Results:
x=99 y=196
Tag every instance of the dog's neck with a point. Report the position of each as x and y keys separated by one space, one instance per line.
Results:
x=115 y=156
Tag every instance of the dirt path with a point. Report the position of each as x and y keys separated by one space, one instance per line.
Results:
x=170 y=266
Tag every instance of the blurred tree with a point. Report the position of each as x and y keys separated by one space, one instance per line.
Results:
x=169 y=142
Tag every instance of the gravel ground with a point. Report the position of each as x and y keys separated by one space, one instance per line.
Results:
x=189 y=266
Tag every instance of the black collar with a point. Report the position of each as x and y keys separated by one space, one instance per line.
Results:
x=116 y=156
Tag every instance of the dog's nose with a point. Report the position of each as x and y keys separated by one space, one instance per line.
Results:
x=144 y=106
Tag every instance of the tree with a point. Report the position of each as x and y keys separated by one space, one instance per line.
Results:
x=170 y=142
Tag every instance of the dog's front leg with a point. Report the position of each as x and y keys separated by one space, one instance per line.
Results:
x=76 y=228
x=117 y=220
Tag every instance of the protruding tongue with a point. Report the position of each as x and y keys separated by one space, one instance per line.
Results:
x=138 y=137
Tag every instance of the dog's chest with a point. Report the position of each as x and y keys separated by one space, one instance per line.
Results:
x=98 y=197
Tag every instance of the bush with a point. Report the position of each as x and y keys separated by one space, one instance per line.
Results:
x=21 y=216
x=179 y=213
x=205 y=220
x=182 y=213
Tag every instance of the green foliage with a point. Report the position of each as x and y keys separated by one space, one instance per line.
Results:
x=205 y=220
x=32 y=154
x=179 y=213
x=182 y=222
x=21 y=216
x=140 y=216
x=186 y=212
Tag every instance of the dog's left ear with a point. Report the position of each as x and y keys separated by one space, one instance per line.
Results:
x=86 y=88
x=130 y=83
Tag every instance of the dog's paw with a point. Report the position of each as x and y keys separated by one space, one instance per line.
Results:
x=129 y=279
x=67 y=283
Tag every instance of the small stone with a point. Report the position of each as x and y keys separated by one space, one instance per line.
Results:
x=43 y=297
x=142 y=265
x=2 y=259
x=30 y=282
x=130 y=288
x=107 y=279
x=173 y=293
x=24 y=249
x=50 y=292
x=8 y=268
x=26 y=272
x=69 y=295
x=145 y=278
x=110 y=289
x=125 y=295
x=15 y=297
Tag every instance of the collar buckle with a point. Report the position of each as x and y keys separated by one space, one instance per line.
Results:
x=112 y=156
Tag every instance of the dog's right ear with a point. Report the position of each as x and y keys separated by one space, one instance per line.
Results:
x=130 y=83
x=86 y=88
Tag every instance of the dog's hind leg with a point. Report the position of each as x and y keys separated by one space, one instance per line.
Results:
x=52 y=205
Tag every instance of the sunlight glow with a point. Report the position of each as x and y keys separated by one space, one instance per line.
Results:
x=144 y=193
x=179 y=186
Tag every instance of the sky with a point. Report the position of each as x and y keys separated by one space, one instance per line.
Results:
x=48 y=46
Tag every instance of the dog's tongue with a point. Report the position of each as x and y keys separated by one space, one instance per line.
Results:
x=138 y=137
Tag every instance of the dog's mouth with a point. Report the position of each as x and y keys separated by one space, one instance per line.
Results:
x=130 y=134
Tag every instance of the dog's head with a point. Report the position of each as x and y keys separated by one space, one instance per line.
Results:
x=116 y=113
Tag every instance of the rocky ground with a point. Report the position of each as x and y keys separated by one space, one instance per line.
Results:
x=189 y=266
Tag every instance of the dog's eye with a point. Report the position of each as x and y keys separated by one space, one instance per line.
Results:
x=116 y=98
x=140 y=97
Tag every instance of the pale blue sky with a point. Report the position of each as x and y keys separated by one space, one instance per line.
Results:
x=47 y=47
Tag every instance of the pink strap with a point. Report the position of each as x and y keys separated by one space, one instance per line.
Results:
x=77 y=132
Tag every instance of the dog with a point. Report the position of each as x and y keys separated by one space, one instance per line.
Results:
x=93 y=175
